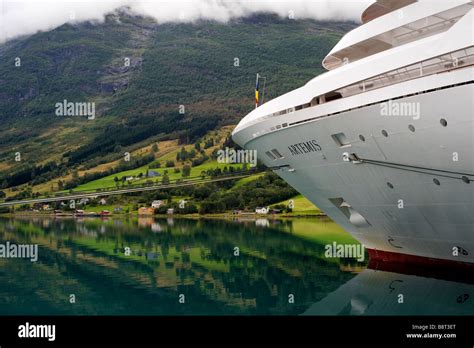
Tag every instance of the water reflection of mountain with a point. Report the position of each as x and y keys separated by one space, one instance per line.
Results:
x=168 y=258
x=384 y=292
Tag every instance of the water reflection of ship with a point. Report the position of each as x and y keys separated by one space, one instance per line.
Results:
x=394 y=289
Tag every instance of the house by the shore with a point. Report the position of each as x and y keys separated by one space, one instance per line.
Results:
x=146 y=211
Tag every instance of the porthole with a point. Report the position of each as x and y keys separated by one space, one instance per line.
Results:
x=384 y=133
x=443 y=122
x=361 y=137
x=411 y=128
x=390 y=185
x=436 y=181
x=466 y=179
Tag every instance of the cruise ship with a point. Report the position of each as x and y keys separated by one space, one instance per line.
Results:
x=383 y=142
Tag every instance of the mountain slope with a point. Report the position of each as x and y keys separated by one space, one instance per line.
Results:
x=171 y=66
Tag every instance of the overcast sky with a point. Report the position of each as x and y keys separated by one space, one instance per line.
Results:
x=23 y=17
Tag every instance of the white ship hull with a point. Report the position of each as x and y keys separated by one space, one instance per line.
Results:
x=416 y=216
x=384 y=142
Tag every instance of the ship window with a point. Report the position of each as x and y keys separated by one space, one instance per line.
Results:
x=278 y=126
x=340 y=139
x=315 y=101
x=361 y=137
x=411 y=127
x=436 y=181
x=299 y=107
x=443 y=122
x=333 y=96
x=269 y=154
x=277 y=153
x=285 y=125
x=384 y=133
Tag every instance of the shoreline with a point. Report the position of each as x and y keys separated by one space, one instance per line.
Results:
x=162 y=216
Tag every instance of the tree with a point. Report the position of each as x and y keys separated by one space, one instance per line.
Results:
x=2 y=194
x=209 y=143
x=155 y=165
x=189 y=209
x=184 y=153
x=169 y=164
x=186 y=170
x=202 y=191
x=154 y=148
x=165 y=180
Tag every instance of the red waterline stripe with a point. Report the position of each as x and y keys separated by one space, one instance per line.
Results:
x=421 y=266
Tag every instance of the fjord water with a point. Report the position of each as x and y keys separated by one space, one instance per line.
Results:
x=192 y=267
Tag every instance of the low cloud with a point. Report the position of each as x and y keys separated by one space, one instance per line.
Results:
x=25 y=17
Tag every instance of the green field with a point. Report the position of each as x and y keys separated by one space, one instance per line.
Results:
x=302 y=205
x=108 y=181
x=243 y=181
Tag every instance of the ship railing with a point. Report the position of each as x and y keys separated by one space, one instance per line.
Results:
x=441 y=64
x=445 y=63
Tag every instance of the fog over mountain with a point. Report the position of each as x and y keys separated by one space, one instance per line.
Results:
x=25 y=17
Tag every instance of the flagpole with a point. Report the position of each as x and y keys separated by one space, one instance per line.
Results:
x=256 y=91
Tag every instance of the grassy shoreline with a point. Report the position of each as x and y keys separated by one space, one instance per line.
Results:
x=181 y=216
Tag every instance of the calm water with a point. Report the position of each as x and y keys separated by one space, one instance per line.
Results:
x=277 y=262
